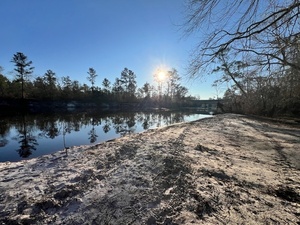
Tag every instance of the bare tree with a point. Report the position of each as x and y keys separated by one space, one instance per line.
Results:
x=262 y=31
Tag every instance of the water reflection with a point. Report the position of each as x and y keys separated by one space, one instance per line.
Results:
x=34 y=135
x=106 y=126
x=48 y=128
x=4 y=132
x=92 y=134
x=26 y=139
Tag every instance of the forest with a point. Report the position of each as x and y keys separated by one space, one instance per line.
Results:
x=49 y=87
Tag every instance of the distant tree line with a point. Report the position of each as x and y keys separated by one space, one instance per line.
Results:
x=124 y=88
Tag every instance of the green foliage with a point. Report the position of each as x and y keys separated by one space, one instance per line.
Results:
x=4 y=86
x=51 y=84
x=23 y=68
x=128 y=83
x=146 y=89
x=92 y=77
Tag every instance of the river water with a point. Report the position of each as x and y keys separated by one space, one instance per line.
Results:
x=29 y=136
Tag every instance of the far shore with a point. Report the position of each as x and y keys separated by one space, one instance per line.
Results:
x=228 y=169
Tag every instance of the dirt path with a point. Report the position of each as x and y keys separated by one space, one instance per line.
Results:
x=229 y=169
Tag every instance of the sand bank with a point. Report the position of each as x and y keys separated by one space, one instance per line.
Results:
x=228 y=169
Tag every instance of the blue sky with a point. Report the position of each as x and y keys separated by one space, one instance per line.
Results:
x=70 y=36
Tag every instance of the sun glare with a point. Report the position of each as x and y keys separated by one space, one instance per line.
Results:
x=161 y=75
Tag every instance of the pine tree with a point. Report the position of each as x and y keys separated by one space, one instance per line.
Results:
x=23 y=69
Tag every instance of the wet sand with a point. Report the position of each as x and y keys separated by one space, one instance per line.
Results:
x=229 y=169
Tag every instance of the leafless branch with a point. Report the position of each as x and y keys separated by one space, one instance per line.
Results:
x=254 y=23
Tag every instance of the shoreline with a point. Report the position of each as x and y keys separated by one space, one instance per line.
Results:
x=32 y=136
x=228 y=169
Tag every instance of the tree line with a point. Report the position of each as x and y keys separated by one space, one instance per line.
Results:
x=124 y=88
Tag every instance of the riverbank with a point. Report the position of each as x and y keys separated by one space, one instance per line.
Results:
x=229 y=169
x=37 y=106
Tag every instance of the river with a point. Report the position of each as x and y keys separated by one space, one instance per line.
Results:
x=29 y=136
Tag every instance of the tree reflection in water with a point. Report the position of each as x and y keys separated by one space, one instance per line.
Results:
x=48 y=127
x=95 y=127
x=92 y=134
x=106 y=126
x=4 y=131
x=27 y=141
x=3 y=142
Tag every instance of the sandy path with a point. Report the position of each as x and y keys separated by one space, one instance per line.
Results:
x=228 y=169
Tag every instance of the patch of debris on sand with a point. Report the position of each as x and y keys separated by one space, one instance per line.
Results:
x=229 y=169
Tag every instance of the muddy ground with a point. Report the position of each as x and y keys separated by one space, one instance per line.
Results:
x=229 y=169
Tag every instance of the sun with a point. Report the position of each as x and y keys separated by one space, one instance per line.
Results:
x=161 y=75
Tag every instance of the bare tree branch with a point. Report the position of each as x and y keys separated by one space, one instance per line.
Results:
x=245 y=26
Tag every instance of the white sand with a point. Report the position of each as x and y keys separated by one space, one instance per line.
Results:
x=228 y=169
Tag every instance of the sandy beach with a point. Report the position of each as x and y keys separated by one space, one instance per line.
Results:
x=228 y=169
